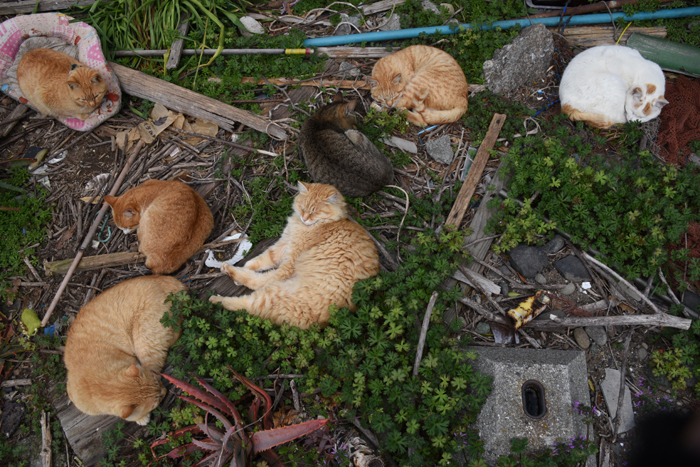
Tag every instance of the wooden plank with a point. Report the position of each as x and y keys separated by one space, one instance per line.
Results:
x=478 y=247
x=482 y=156
x=16 y=113
x=591 y=36
x=378 y=7
x=27 y=6
x=477 y=280
x=356 y=52
x=89 y=263
x=330 y=83
x=668 y=54
x=191 y=103
x=176 y=47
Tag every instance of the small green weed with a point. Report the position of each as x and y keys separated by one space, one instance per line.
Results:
x=20 y=230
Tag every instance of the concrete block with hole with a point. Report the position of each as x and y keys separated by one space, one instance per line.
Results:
x=532 y=397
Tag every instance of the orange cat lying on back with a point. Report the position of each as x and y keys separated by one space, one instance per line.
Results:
x=115 y=347
x=172 y=219
x=58 y=85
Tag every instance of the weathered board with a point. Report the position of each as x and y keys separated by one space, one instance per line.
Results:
x=27 y=6
x=191 y=103
x=176 y=47
x=591 y=36
x=483 y=214
x=668 y=54
x=84 y=432
x=482 y=156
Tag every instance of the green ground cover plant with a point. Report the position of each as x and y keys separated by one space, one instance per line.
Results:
x=627 y=207
x=21 y=229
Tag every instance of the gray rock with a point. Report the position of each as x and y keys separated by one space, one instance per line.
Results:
x=343 y=29
x=349 y=69
x=528 y=260
x=582 y=338
x=430 y=6
x=394 y=23
x=440 y=149
x=593 y=348
x=691 y=300
x=554 y=245
x=611 y=391
x=660 y=381
x=598 y=334
x=524 y=60
x=483 y=328
x=402 y=144
x=505 y=289
x=251 y=27
x=540 y=279
x=505 y=271
x=572 y=269
x=11 y=415
x=642 y=353
x=569 y=289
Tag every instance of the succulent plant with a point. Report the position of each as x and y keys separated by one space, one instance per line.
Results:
x=238 y=443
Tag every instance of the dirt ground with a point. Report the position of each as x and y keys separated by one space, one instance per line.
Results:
x=86 y=157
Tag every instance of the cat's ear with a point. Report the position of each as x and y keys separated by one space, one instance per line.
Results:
x=128 y=213
x=332 y=199
x=132 y=372
x=97 y=79
x=397 y=79
x=372 y=82
x=350 y=107
x=337 y=98
x=660 y=102
x=110 y=200
x=73 y=85
x=127 y=410
x=302 y=187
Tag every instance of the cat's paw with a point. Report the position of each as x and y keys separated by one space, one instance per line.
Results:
x=144 y=421
x=216 y=299
x=231 y=271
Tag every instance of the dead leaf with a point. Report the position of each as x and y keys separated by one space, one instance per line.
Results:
x=86 y=199
x=67 y=235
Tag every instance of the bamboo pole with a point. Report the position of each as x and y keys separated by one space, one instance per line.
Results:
x=91 y=232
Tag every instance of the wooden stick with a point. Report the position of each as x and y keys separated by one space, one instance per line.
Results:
x=423 y=332
x=583 y=9
x=192 y=103
x=8 y=383
x=27 y=6
x=620 y=278
x=623 y=386
x=475 y=172
x=660 y=319
x=45 y=441
x=176 y=47
x=91 y=232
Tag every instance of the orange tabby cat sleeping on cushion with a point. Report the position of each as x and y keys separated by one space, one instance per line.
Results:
x=58 y=85
x=172 y=219
x=318 y=259
x=115 y=347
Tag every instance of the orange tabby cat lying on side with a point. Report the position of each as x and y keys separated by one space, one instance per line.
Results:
x=426 y=81
x=318 y=259
x=58 y=85
x=115 y=347
x=172 y=219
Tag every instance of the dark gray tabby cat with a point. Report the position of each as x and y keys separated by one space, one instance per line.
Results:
x=337 y=154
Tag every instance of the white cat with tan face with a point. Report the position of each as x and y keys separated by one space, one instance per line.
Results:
x=612 y=84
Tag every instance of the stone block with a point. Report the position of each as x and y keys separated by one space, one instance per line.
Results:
x=611 y=391
x=563 y=376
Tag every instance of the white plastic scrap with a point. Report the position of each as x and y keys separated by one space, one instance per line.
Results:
x=97 y=180
x=243 y=247
x=58 y=159
x=585 y=285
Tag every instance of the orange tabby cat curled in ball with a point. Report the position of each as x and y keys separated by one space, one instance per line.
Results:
x=115 y=347
x=172 y=219
x=424 y=80
x=315 y=264
x=58 y=85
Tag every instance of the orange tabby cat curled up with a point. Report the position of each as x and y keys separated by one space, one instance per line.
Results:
x=316 y=262
x=424 y=80
x=172 y=219
x=115 y=347
x=58 y=85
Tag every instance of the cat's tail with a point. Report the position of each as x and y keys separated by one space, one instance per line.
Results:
x=438 y=117
x=594 y=120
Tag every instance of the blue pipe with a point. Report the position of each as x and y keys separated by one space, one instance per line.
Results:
x=576 y=20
